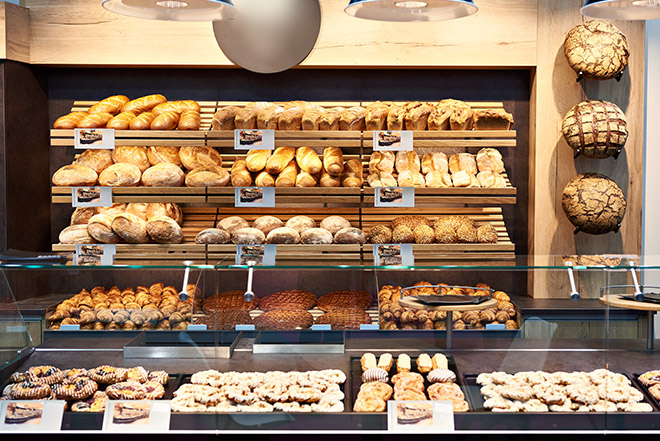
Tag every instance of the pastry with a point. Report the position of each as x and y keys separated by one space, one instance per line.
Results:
x=95 y=403
x=439 y=361
x=381 y=390
x=424 y=363
x=29 y=390
x=161 y=377
x=291 y=299
x=441 y=376
x=126 y=390
x=374 y=404
x=284 y=319
x=75 y=175
x=75 y=389
x=650 y=378
x=385 y=361
x=107 y=374
x=45 y=375
x=368 y=361
x=375 y=374
x=403 y=363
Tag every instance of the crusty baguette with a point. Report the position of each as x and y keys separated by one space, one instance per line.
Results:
x=95 y=121
x=287 y=177
x=190 y=120
x=308 y=160
x=333 y=161
x=111 y=104
x=144 y=103
x=257 y=159
x=240 y=176
x=69 y=121
x=142 y=121
x=280 y=159
x=165 y=121
x=121 y=121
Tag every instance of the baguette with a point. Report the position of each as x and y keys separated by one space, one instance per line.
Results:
x=240 y=176
x=327 y=180
x=353 y=174
x=280 y=159
x=144 y=103
x=95 y=121
x=268 y=118
x=112 y=104
x=436 y=161
x=165 y=121
x=142 y=121
x=333 y=161
x=407 y=161
x=264 y=179
x=176 y=106
x=353 y=119
x=368 y=361
x=190 y=120
x=403 y=363
x=223 y=119
x=121 y=121
x=396 y=117
x=287 y=177
x=291 y=119
x=305 y=179
x=308 y=160
x=330 y=118
x=312 y=117
x=69 y=121
x=257 y=159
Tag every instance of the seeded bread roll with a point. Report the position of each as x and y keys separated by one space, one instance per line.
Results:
x=75 y=175
x=163 y=229
x=96 y=159
x=165 y=209
x=423 y=234
x=319 y=236
x=132 y=155
x=213 y=236
x=232 y=223
x=403 y=234
x=211 y=176
x=100 y=228
x=486 y=234
x=467 y=234
x=410 y=221
x=380 y=234
x=267 y=224
x=163 y=175
x=301 y=223
x=121 y=174
x=283 y=235
x=248 y=236
x=195 y=157
x=75 y=234
x=158 y=154
x=130 y=228
x=350 y=236
x=335 y=223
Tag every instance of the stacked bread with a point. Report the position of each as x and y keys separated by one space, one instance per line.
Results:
x=130 y=223
x=445 y=230
x=144 y=307
x=447 y=114
x=151 y=112
x=156 y=166
x=394 y=316
x=436 y=170
x=272 y=230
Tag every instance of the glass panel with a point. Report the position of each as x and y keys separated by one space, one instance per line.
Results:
x=15 y=339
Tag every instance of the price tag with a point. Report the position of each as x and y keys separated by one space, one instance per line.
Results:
x=393 y=141
x=369 y=327
x=198 y=327
x=136 y=416
x=94 y=255
x=420 y=416
x=399 y=254
x=69 y=327
x=321 y=328
x=245 y=327
x=394 y=197
x=94 y=139
x=258 y=254
x=254 y=139
x=31 y=416
x=254 y=197
x=495 y=327
x=91 y=196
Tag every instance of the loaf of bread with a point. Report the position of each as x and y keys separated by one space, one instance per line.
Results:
x=462 y=162
x=436 y=161
x=248 y=236
x=462 y=119
x=121 y=121
x=353 y=119
x=267 y=118
x=439 y=117
x=287 y=178
x=304 y=105
x=417 y=117
x=316 y=236
x=376 y=118
x=257 y=160
x=100 y=228
x=69 y=121
x=312 y=118
x=112 y=104
x=280 y=159
x=335 y=223
x=95 y=121
x=75 y=234
x=113 y=210
x=304 y=179
x=195 y=157
x=409 y=178
x=163 y=175
x=240 y=176
x=381 y=179
x=121 y=174
x=130 y=228
x=308 y=160
x=381 y=162
x=350 y=236
x=491 y=179
x=464 y=178
x=283 y=235
x=333 y=161
x=301 y=223
x=291 y=119
x=396 y=117
x=158 y=154
x=438 y=179
x=163 y=229
x=190 y=120
x=267 y=224
x=492 y=119
x=327 y=180
x=407 y=161
x=212 y=236
x=96 y=159
x=330 y=118
x=138 y=209
x=82 y=215
x=353 y=173
x=210 y=176
x=173 y=211
x=264 y=179
x=142 y=121
x=223 y=119
x=246 y=118
x=132 y=155
x=144 y=103
x=232 y=223
x=75 y=175
x=489 y=159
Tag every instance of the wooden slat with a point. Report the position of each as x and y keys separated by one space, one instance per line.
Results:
x=179 y=195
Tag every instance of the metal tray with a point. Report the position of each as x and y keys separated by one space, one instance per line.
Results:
x=299 y=342
x=645 y=390
x=182 y=344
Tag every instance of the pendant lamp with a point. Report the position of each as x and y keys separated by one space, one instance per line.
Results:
x=173 y=10
x=622 y=9
x=416 y=10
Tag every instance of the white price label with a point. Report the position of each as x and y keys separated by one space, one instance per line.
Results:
x=254 y=197
x=31 y=416
x=95 y=255
x=94 y=139
x=420 y=416
x=263 y=255
x=136 y=416
x=91 y=196
x=396 y=141
x=254 y=139
x=395 y=254
x=394 y=197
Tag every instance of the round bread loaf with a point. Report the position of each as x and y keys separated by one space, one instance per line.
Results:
x=466 y=234
x=209 y=176
x=380 y=234
x=121 y=174
x=96 y=159
x=423 y=234
x=487 y=234
x=291 y=299
x=75 y=234
x=196 y=157
x=248 y=236
x=284 y=319
x=75 y=175
x=283 y=235
x=403 y=234
x=163 y=175
x=335 y=223
x=115 y=209
x=594 y=203
x=595 y=129
x=130 y=228
x=232 y=223
x=301 y=223
x=596 y=49
x=82 y=215
x=138 y=209
x=267 y=223
x=411 y=222
x=158 y=154
x=100 y=228
x=132 y=155
x=213 y=236
x=168 y=209
x=340 y=319
x=350 y=235
x=163 y=229
x=318 y=236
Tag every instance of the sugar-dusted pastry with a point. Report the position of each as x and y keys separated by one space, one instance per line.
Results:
x=385 y=361
x=424 y=363
x=367 y=361
x=439 y=361
x=403 y=363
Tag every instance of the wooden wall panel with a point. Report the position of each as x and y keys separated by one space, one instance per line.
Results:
x=14 y=32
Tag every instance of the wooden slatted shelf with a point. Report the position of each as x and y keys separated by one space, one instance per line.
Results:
x=179 y=195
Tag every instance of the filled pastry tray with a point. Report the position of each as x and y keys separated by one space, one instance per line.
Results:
x=645 y=389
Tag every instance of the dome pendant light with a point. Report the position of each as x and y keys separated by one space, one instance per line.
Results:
x=622 y=9
x=415 y=10
x=173 y=10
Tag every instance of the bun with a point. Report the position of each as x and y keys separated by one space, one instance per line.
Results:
x=268 y=118
x=264 y=179
x=283 y=235
x=195 y=157
x=163 y=175
x=100 y=228
x=163 y=229
x=287 y=177
x=335 y=223
x=316 y=236
x=330 y=118
x=212 y=236
x=190 y=120
x=240 y=176
x=312 y=117
x=158 y=154
x=223 y=119
x=267 y=224
x=138 y=209
x=212 y=176
x=75 y=175
x=112 y=104
x=257 y=159
x=353 y=119
x=280 y=158
x=301 y=223
x=350 y=236
x=168 y=209
x=232 y=223
x=142 y=121
x=130 y=228
x=328 y=180
x=144 y=103
x=132 y=155
x=333 y=161
x=165 y=121
x=96 y=159
x=248 y=236
x=69 y=121
x=121 y=174
x=75 y=234
x=308 y=160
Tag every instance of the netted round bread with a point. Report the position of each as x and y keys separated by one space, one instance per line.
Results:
x=594 y=203
x=284 y=319
x=344 y=300
x=596 y=49
x=228 y=300
x=596 y=129
x=291 y=299
x=344 y=319
x=225 y=319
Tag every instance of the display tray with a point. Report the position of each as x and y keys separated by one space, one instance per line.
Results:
x=645 y=390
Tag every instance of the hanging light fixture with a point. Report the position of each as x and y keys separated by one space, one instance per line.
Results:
x=416 y=10
x=622 y=9
x=174 y=10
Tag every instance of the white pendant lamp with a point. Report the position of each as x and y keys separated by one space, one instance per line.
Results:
x=622 y=9
x=174 y=10
x=417 y=10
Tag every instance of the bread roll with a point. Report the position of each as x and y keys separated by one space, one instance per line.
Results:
x=304 y=179
x=312 y=117
x=212 y=236
x=114 y=210
x=121 y=174
x=283 y=235
x=121 y=121
x=75 y=175
x=82 y=215
x=195 y=157
x=163 y=175
x=327 y=180
x=333 y=161
x=158 y=154
x=246 y=118
x=490 y=179
x=165 y=121
x=353 y=119
x=438 y=179
x=268 y=118
x=409 y=178
x=330 y=118
x=257 y=159
x=267 y=223
x=95 y=121
x=190 y=120
x=489 y=159
x=382 y=162
x=308 y=160
x=264 y=179
x=232 y=223
x=248 y=236
x=144 y=103
x=439 y=117
x=112 y=104
x=335 y=223
x=376 y=118
x=462 y=162
x=301 y=223
x=75 y=234
x=138 y=209
x=350 y=235
x=132 y=155
x=240 y=176
x=212 y=176
x=142 y=121
x=69 y=121
x=100 y=228
x=417 y=117
x=462 y=178
x=287 y=178
x=168 y=209
x=316 y=236
x=407 y=161
x=280 y=158
x=96 y=159
x=353 y=174
x=130 y=228
x=396 y=117
x=223 y=119
x=462 y=119
x=291 y=119
x=436 y=161
x=163 y=229
x=381 y=179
